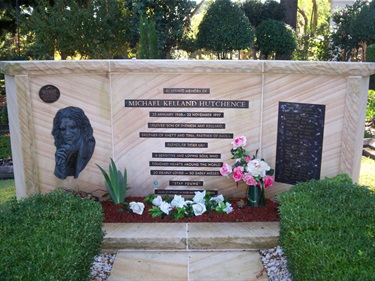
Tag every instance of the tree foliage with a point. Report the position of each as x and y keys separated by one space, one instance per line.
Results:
x=225 y=28
x=257 y=11
x=275 y=37
x=148 y=40
x=92 y=29
x=342 y=41
x=362 y=27
x=171 y=17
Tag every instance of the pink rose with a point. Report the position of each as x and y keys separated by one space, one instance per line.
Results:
x=239 y=141
x=225 y=170
x=249 y=179
x=238 y=173
x=248 y=159
x=268 y=181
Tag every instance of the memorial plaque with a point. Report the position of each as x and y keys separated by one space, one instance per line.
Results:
x=184 y=173
x=182 y=191
x=186 y=135
x=185 y=164
x=49 y=93
x=187 y=144
x=182 y=91
x=187 y=114
x=299 y=142
x=186 y=125
x=186 y=155
x=188 y=103
x=186 y=183
x=176 y=119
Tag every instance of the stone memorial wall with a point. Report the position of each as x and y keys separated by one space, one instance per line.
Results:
x=171 y=123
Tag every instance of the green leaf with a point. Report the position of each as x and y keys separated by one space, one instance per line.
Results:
x=115 y=183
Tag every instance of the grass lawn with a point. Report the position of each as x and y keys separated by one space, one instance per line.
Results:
x=7 y=191
x=367 y=175
x=367 y=178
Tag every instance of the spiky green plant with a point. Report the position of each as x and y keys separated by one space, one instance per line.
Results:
x=115 y=182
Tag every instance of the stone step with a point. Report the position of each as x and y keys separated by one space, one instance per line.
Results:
x=191 y=236
x=6 y=172
x=235 y=265
x=369 y=151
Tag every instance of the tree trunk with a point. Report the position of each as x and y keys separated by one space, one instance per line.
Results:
x=314 y=17
x=290 y=18
x=306 y=21
x=290 y=12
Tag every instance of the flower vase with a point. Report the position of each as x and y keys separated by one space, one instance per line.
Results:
x=255 y=196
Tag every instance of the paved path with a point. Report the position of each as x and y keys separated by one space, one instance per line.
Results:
x=189 y=251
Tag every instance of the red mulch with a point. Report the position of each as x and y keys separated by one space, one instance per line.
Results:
x=244 y=214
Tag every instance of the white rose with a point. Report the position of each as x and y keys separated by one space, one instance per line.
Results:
x=199 y=209
x=218 y=199
x=178 y=201
x=165 y=207
x=228 y=208
x=199 y=196
x=257 y=167
x=157 y=201
x=137 y=207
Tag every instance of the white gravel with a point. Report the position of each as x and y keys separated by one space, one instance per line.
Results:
x=275 y=263
x=101 y=267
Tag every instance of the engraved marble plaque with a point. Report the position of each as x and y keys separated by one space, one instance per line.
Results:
x=299 y=142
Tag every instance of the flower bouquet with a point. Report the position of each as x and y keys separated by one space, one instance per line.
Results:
x=256 y=173
x=178 y=208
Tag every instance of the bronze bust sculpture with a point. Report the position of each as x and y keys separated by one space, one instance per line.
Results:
x=74 y=141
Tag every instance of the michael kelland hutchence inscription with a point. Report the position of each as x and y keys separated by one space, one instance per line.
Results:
x=299 y=142
x=185 y=130
x=188 y=103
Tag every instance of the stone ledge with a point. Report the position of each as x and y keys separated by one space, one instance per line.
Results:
x=6 y=172
x=191 y=236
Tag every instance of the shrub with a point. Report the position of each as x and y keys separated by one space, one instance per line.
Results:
x=327 y=230
x=4 y=115
x=370 y=109
x=224 y=28
x=370 y=57
x=275 y=37
x=51 y=236
x=5 y=150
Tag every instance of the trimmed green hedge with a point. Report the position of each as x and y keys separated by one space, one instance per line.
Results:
x=327 y=230
x=51 y=236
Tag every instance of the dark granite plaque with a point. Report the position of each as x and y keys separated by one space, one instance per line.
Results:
x=182 y=91
x=186 y=183
x=299 y=142
x=187 y=144
x=186 y=135
x=186 y=155
x=186 y=125
x=188 y=103
x=182 y=191
x=49 y=93
x=184 y=173
x=184 y=164
x=187 y=114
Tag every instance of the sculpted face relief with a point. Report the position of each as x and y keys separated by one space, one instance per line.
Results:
x=74 y=142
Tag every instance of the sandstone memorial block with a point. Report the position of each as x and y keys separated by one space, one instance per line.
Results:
x=171 y=123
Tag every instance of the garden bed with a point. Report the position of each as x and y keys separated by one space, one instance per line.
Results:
x=116 y=213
